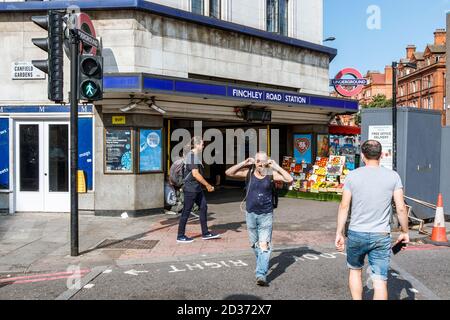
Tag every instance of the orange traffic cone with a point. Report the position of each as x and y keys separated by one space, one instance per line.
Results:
x=439 y=233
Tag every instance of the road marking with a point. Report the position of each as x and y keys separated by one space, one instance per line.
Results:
x=207 y=265
x=134 y=272
x=315 y=257
x=430 y=295
x=66 y=295
x=413 y=290
x=42 y=277
x=107 y=271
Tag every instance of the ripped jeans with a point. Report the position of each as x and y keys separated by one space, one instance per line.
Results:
x=259 y=228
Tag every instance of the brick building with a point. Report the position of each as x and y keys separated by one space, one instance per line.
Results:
x=422 y=76
x=378 y=84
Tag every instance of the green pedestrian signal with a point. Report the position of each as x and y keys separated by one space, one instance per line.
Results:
x=90 y=77
x=89 y=89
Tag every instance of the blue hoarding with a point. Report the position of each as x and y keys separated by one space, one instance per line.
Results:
x=4 y=153
x=85 y=153
x=150 y=150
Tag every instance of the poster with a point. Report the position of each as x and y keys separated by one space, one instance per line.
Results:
x=150 y=150
x=383 y=134
x=118 y=152
x=323 y=145
x=302 y=148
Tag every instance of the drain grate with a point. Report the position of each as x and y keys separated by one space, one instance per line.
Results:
x=127 y=244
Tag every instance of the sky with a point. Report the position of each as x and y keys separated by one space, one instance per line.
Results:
x=402 y=22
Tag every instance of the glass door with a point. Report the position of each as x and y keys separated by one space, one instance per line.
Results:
x=42 y=162
x=56 y=167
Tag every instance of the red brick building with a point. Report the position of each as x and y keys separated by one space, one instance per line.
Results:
x=424 y=86
x=378 y=84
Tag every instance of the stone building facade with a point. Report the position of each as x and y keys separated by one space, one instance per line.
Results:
x=156 y=53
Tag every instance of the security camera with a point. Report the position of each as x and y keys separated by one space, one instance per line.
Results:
x=155 y=107
x=132 y=105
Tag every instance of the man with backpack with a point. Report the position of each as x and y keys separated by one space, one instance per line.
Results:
x=261 y=199
x=192 y=181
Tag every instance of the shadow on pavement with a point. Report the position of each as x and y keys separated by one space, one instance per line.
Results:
x=231 y=226
x=285 y=260
x=396 y=287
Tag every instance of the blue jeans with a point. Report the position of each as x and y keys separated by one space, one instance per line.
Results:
x=378 y=248
x=259 y=228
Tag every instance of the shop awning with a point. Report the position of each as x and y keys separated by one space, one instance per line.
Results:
x=344 y=130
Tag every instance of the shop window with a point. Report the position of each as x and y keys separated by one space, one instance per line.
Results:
x=277 y=16
x=197 y=6
x=214 y=9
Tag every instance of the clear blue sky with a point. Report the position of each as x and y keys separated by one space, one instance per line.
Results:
x=403 y=22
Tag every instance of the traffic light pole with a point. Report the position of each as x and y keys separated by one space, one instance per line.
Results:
x=74 y=51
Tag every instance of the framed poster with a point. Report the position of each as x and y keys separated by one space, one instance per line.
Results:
x=323 y=145
x=303 y=148
x=150 y=150
x=119 y=150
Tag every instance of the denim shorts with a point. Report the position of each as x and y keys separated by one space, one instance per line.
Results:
x=377 y=246
x=259 y=227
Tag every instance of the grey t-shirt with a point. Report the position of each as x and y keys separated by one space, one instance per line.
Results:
x=372 y=189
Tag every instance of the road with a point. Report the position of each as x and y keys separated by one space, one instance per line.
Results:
x=305 y=273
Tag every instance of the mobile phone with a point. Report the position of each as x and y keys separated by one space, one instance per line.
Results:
x=398 y=247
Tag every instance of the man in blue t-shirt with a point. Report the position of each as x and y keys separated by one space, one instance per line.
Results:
x=261 y=173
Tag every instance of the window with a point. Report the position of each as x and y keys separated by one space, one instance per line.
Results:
x=214 y=9
x=197 y=6
x=277 y=16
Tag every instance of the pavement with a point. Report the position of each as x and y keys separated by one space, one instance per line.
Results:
x=35 y=261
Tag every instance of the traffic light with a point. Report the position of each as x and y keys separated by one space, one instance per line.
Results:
x=53 y=44
x=90 y=77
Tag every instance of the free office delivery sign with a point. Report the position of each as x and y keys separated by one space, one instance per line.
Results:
x=25 y=71
x=383 y=134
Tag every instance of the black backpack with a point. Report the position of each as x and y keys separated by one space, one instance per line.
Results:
x=272 y=183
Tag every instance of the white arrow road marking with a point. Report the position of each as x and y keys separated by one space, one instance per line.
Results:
x=107 y=271
x=89 y=286
x=134 y=272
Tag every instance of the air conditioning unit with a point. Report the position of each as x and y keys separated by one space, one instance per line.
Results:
x=257 y=115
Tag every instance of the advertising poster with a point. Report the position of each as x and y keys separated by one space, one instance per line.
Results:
x=302 y=148
x=383 y=134
x=323 y=145
x=150 y=150
x=118 y=153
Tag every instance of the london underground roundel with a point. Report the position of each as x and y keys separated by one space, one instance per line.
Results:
x=349 y=87
x=84 y=23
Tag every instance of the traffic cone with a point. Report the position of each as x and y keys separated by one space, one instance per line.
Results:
x=439 y=233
